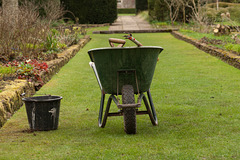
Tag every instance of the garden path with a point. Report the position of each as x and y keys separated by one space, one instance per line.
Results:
x=130 y=23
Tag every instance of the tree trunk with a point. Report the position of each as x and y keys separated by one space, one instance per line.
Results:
x=184 y=15
x=10 y=11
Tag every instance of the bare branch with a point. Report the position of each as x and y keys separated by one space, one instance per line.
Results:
x=173 y=6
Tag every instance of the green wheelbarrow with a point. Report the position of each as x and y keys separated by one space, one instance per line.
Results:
x=125 y=71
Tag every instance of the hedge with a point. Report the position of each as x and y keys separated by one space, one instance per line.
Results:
x=141 y=5
x=151 y=4
x=127 y=10
x=91 y=11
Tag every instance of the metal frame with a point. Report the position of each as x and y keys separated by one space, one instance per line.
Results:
x=151 y=112
x=103 y=120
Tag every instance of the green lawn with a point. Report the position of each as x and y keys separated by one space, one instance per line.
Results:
x=196 y=98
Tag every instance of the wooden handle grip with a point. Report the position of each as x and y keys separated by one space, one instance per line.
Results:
x=114 y=40
x=121 y=42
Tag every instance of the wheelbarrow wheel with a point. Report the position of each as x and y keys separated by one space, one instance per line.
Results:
x=129 y=114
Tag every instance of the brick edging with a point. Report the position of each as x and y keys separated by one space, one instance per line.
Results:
x=230 y=58
x=10 y=98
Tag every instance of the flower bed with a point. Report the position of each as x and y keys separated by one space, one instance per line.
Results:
x=228 y=57
x=10 y=94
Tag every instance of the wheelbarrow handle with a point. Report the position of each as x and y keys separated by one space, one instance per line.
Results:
x=130 y=37
x=121 y=42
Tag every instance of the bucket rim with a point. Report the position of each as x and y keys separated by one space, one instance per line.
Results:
x=35 y=99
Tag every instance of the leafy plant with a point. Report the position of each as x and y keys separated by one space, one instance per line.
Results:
x=7 y=70
x=51 y=43
x=236 y=48
x=71 y=36
x=229 y=46
x=233 y=47
x=30 y=70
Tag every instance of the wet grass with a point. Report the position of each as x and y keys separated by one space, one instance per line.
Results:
x=196 y=98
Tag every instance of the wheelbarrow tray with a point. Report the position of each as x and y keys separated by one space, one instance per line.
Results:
x=110 y=62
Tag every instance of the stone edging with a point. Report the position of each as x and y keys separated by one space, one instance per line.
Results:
x=10 y=97
x=136 y=31
x=230 y=58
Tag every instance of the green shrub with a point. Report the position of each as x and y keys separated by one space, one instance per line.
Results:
x=141 y=5
x=7 y=70
x=212 y=5
x=91 y=11
x=161 y=12
x=232 y=8
x=235 y=12
x=236 y=48
x=219 y=12
x=211 y=14
x=151 y=4
x=233 y=47
x=224 y=5
x=187 y=31
x=51 y=43
x=126 y=10
x=229 y=46
x=158 y=10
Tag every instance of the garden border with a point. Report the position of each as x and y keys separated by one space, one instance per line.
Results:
x=136 y=31
x=11 y=96
x=228 y=57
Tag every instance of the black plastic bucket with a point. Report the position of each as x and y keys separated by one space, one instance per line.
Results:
x=43 y=112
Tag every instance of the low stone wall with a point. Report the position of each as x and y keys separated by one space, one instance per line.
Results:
x=11 y=100
x=10 y=97
x=225 y=56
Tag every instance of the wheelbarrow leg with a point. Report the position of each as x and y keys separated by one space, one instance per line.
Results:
x=152 y=108
x=102 y=121
x=101 y=110
x=106 y=112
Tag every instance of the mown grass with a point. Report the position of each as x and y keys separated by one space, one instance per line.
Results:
x=196 y=98
x=126 y=14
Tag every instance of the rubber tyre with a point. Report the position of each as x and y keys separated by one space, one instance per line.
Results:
x=129 y=114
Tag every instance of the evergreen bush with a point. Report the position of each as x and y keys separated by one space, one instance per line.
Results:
x=235 y=12
x=126 y=10
x=91 y=11
x=151 y=8
x=161 y=11
x=141 y=5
